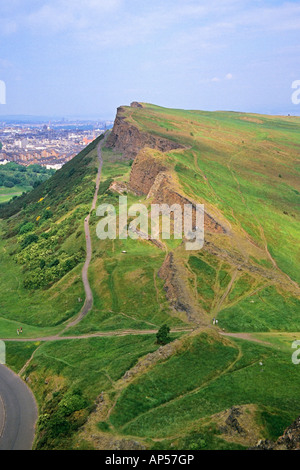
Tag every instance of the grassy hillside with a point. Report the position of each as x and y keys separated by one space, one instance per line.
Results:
x=244 y=168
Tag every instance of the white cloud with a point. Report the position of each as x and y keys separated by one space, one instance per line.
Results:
x=229 y=76
x=197 y=25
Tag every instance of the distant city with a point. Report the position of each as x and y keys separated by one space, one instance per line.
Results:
x=47 y=143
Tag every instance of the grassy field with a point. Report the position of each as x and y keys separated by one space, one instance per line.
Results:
x=243 y=164
x=227 y=375
x=6 y=194
x=16 y=179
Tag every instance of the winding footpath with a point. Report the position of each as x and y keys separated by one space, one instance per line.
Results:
x=87 y=288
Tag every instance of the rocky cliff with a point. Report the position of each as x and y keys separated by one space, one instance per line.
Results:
x=127 y=139
x=149 y=176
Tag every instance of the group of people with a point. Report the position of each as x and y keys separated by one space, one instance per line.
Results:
x=19 y=330
x=215 y=321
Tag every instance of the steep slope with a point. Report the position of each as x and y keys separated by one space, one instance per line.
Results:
x=105 y=382
x=43 y=245
x=229 y=162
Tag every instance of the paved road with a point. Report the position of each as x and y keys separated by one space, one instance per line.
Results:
x=18 y=412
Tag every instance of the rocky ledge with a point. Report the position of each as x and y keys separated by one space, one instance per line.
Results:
x=127 y=139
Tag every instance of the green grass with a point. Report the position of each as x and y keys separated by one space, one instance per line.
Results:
x=84 y=368
x=248 y=382
x=91 y=364
x=38 y=310
x=268 y=310
x=242 y=157
x=6 y=194
x=17 y=354
x=169 y=380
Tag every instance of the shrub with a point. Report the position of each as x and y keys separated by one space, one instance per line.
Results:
x=25 y=228
x=31 y=238
x=162 y=336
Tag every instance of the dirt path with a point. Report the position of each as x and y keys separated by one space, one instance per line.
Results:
x=88 y=291
x=101 y=334
x=246 y=336
x=217 y=308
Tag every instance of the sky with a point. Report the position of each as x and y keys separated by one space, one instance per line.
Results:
x=85 y=58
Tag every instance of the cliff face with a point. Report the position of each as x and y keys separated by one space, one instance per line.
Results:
x=144 y=171
x=150 y=177
x=129 y=140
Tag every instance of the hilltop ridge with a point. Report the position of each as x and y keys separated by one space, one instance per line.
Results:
x=120 y=388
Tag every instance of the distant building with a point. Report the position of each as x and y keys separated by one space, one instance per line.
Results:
x=56 y=166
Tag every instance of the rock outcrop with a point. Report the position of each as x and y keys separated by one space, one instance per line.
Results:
x=136 y=104
x=290 y=440
x=232 y=423
x=178 y=291
x=149 y=176
x=144 y=171
x=127 y=139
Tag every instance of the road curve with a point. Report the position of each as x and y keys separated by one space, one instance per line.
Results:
x=18 y=412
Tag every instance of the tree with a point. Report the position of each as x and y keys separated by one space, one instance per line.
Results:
x=31 y=238
x=26 y=227
x=162 y=336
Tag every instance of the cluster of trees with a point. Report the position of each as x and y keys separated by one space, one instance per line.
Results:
x=61 y=416
x=44 y=261
x=13 y=174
